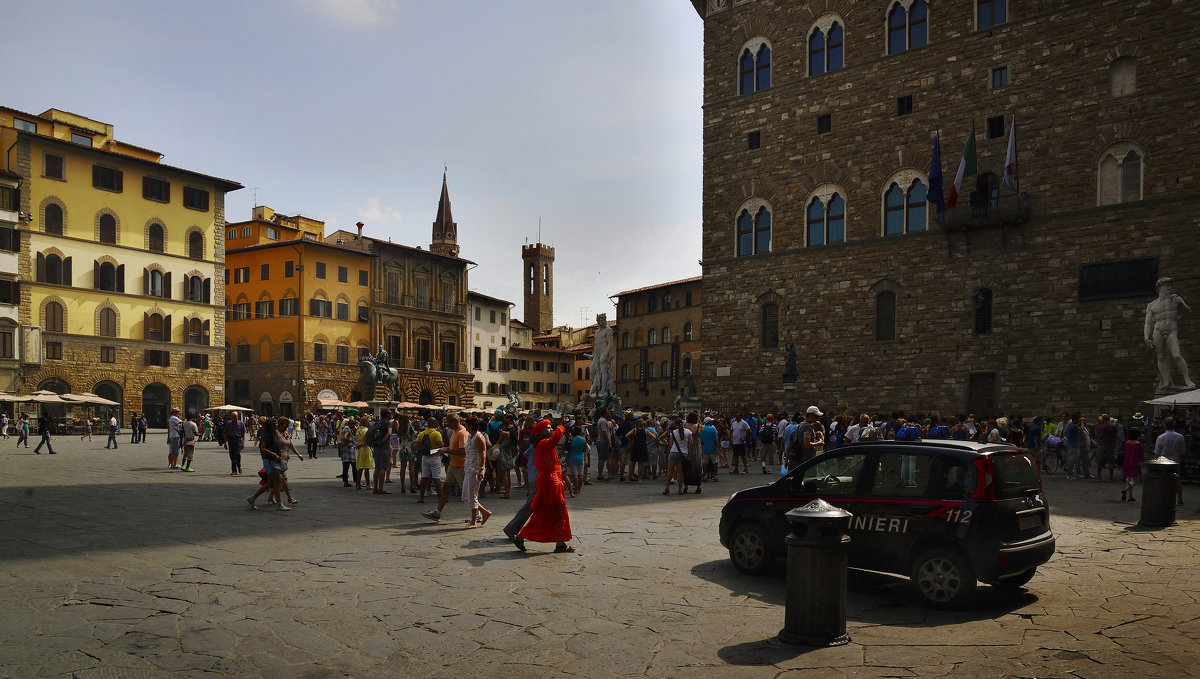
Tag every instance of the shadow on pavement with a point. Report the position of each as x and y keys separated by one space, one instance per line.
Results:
x=871 y=597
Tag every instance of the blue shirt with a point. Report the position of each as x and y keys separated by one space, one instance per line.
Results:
x=1072 y=435
x=708 y=439
x=578 y=448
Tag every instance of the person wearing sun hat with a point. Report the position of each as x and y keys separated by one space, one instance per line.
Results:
x=539 y=432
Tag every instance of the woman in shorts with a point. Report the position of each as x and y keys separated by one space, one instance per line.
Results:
x=363 y=462
x=575 y=461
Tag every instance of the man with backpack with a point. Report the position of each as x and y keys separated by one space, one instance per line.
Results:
x=378 y=435
x=427 y=444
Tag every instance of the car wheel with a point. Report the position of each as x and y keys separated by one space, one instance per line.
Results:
x=1015 y=582
x=750 y=549
x=943 y=577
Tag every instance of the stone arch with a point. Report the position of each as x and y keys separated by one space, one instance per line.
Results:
x=242 y=299
x=65 y=311
x=288 y=293
x=155 y=221
x=187 y=240
x=107 y=259
x=106 y=304
x=319 y=293
x=96 y=224
x=886 y=284
x=52 y=200
x=157 y=267
x=264 y=295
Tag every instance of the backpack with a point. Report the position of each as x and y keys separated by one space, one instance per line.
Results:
x=423 y=445
x=767 y=435
x=377 y=434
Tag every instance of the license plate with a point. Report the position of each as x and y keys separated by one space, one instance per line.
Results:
x=1030 y=521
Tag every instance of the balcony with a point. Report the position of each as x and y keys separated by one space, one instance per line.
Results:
x=428 y=304
x=1005 y=210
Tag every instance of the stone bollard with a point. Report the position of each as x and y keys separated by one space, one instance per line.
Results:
x=815 y=614
x=1160 y=477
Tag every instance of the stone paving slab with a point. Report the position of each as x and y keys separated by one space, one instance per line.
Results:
x=117 y=567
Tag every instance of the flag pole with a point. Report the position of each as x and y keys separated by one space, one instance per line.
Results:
x=1016 y=156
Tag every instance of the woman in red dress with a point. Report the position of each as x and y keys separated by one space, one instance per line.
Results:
x=549 y=521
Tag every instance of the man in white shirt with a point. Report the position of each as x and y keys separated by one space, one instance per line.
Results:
x=853 y=432
x=1171 y=445
x=741 y=431
x=112 y=432
x=173 y=440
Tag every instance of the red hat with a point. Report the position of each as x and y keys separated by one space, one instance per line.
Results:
x=540 y=427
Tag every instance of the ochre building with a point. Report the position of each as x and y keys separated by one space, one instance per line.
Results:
x=298 y=312
x=119 y=269
x=1029 y=294
x=658 y=342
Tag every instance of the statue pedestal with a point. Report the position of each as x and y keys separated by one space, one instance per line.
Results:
x=689 y=403
x=789 y=398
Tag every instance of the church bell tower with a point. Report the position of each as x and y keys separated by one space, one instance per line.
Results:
x=538 y=260
x=445 y=231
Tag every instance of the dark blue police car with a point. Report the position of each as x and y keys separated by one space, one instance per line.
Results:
x=946 y=513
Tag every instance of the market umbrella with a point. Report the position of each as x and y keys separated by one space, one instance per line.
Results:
x=1183 y=398
x=13 y=398
x=47 y=397
x=228 y=407
x=89 y=398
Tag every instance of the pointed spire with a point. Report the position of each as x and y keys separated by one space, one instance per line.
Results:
x=445 y=231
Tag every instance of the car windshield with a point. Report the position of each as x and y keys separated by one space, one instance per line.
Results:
x=1015 y=475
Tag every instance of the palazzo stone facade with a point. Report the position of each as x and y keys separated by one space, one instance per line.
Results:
x=819 y=126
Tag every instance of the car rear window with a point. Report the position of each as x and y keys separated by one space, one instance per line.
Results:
x=1015 y=475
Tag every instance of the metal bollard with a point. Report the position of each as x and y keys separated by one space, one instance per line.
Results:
x=1160 y=477
x=815 y=613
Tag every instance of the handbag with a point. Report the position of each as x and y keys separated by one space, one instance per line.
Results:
x=279 y=466
x=493 y=452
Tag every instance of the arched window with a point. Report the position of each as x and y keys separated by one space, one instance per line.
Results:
x=154 y=327
x=1120 y=175
x=107 y=278
x=624 y=371
x=108 y=323
x=578 y=374
x=908 y=29
x=587 y=372
x=53 y=317
x=54 y=269
x=195 y=291
x=650 y=370
x=624 y=340
x=687 y=366
x=651 y=337
x=156 y=240
x=108 y=229
x=1123 y=76
x=664 y=369
x=154 y=282
x=762 y=71
x=687 y=332
x=666 y=334
x=196 y=245
x=983 y=311
x=754 y=69
x=904 y=210
x=651 y=305
x=754 y=232
x=827 y=222
x=195 y=332
x=54 y=220
x=826 y=52
x=885 y=315
x=747 y=73
x=769 y=329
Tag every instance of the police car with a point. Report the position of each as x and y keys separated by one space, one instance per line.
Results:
x=945 y=513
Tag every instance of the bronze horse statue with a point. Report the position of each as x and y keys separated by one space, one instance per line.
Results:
x=374 y=374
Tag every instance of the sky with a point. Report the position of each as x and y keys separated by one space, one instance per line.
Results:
x=576 y=119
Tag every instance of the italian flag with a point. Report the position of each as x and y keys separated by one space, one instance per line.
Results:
x=966 y=167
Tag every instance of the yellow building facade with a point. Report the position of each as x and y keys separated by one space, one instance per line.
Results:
x=120 y=262
x=298 y=311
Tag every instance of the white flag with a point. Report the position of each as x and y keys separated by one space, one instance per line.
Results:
x=1010 y=160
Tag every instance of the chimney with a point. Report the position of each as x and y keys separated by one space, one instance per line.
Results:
x=360 y=226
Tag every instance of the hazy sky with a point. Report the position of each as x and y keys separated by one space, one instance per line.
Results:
x=583 y=113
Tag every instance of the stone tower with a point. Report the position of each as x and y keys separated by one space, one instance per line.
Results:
x=445 y=231
x=538 y=260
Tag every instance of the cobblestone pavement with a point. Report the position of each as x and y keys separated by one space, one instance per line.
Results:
x=116 y=567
